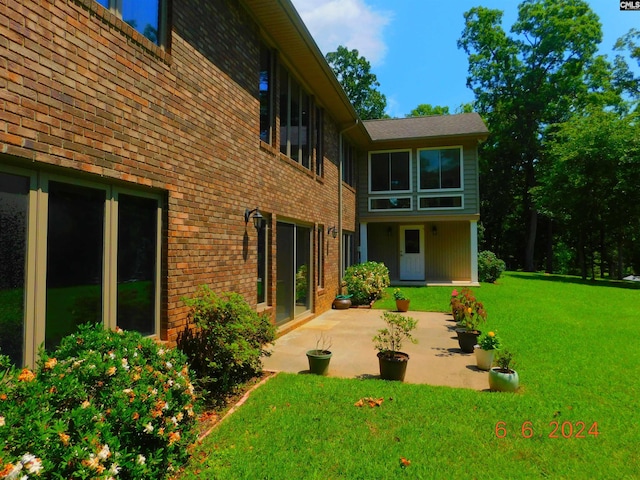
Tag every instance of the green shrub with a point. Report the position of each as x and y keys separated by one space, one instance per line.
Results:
x=225 y=347
x=104 y=404
x=490 y=267
x=366 y=281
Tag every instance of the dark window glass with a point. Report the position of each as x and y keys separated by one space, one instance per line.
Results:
x=440 y=169
x=284 y=111
x=379 y=172
x=304 y=130
x=412 y=241
x=319 y=143
x=265 y=94
x=14 y=207
x=143 y=15
x=75 y=245
x=137 y=233
x=294 y=154
x=441 y=202
x=429 y=169
x=450 y=167
x=399 y=171
x=390 y=203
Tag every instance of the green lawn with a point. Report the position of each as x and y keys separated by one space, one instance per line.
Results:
x=576 y=346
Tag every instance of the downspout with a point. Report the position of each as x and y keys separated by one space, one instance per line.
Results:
x=340 y=176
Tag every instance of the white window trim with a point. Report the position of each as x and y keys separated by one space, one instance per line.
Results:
x=433 y=190
x=409 y=209
x=375 y=192
x=461 y=207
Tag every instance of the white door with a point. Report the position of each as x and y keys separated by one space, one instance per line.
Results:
x=412 y=252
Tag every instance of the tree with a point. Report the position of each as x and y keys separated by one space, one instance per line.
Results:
x=360 y=85
x=522 y=84
x=426 y=109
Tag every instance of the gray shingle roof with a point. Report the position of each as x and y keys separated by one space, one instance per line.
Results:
x=425 y=127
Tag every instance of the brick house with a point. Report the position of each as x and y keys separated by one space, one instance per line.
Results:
x=135 y=157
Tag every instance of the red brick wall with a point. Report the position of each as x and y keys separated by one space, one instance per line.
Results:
x=83 y=92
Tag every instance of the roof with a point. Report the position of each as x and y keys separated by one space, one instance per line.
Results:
x=464 y=124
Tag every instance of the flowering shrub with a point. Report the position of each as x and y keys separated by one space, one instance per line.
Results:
x=490 y=267
x=366 y=281
x=489 y=341
x=103 y=405
x=467 y=310
x=225 y=347
x=389 y=340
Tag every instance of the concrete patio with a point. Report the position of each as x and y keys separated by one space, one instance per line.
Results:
x=435 y=360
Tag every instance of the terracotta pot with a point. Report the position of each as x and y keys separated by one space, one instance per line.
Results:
x=393 y=367
x=402 y=305
x=503 y=382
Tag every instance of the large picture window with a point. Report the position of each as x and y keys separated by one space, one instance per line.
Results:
x=390 y=171
x=440 y=169
x=92 y=251
x=294 y=120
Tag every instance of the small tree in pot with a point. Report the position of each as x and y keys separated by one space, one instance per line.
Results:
x=388 y=342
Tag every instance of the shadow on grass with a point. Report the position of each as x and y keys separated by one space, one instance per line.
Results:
x=577 y=280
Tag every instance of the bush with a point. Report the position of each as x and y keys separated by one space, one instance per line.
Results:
x=104 y=404
x=366 y=281
x=225 y=347
x=490 y=267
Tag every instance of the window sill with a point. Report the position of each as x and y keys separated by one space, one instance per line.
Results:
x=270 y=149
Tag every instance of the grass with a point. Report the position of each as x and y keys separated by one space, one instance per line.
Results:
x=577 y=357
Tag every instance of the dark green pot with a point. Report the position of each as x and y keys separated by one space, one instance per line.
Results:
x=393 y=367
x=319 y=361
x=467 y=340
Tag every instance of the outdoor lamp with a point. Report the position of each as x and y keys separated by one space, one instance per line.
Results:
x=258 y=219
x=332 y=231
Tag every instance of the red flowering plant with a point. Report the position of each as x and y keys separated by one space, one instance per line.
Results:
x=468 y=312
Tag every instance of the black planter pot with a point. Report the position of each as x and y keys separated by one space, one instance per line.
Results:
x=393 y=367
x=319 y=361
x=467 y=339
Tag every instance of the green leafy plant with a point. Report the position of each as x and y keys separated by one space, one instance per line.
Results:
x=226 y=341
x=399 y=327
x=504 y=361
x=489 y=341
x=490 y=267
x=366 y=281
x=399 y=295
x=103 y=404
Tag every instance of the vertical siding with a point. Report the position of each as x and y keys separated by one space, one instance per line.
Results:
x=448 y=254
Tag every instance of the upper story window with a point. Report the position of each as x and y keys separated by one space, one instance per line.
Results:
x=390 y=171
x=266 y=94
x=145 y=16
x=440 y=169
x=294 y=120
x=319 y=129
x=348 y=163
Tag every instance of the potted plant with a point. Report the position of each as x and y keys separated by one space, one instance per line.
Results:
x=457 y=307
x=402 y=302
x=388 y=342
x=485 y=350
x=503 y=378
x=320 y=357
x=473 y=316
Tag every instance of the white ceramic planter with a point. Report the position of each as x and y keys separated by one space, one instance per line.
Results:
x=503 y=382
x=484 y=358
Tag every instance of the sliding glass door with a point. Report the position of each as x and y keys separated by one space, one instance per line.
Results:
x=293 y=263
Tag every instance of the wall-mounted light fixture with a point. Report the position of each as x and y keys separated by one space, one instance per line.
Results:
x=434 y=230
x=258 y=219
x=333 y=231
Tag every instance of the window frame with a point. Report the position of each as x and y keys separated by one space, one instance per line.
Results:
x=304 y=101
x=320 y=256
x=116 y=8
x=461 y=207
x=452 y=189
x=402 y=209
x=409 y=169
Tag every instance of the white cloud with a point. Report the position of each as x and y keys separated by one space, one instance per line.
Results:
x=351 y=23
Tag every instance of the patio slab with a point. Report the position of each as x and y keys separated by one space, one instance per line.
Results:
x=435 y=360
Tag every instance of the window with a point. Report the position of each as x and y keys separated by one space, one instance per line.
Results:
x=294 y=120
x=390 y=171
x=441 y=169
x=145 y=16
x=320 y=257
x=348 y=252
x=440 y=202
x=266 y=94
x=348 y=163
x=263 y=262
x=92 y=253
x=319 y=133
x=390 y=203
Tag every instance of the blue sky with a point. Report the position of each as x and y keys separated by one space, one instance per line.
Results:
x=412 y=44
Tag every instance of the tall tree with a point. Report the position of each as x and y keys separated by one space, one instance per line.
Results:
x=360 y=85
x=522 y=84
x=426 y=109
